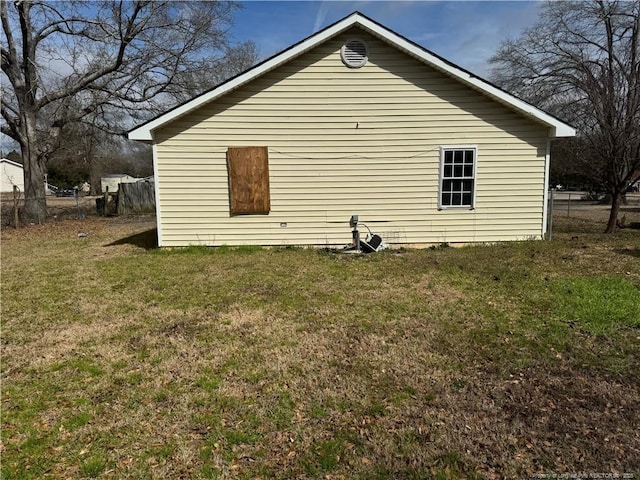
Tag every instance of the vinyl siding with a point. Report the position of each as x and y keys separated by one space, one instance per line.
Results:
x=10 y=175
x=351 y=141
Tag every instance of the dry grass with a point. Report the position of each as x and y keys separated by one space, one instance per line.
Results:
x=121 y=361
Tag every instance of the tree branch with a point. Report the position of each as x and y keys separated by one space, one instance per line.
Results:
x=10 y=52
x=11 y=128
x=88 y=78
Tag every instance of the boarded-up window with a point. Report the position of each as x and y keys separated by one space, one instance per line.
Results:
x=248 y=169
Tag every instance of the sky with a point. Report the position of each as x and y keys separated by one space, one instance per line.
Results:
x=466 y=33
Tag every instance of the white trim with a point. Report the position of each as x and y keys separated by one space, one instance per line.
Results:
x=444 y=148
x=558 y=128
x=156 y=187
x=144 y=131
x=11 y=162
x=545 y=195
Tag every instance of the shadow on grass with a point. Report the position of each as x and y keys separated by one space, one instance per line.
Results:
x=633 y=252
x=147 y=240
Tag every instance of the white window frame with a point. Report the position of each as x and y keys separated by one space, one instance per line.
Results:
x=446 y=148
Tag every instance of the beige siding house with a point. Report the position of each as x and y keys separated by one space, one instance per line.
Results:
x=353 y=120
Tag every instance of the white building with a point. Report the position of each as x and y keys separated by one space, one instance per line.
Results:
x=112 y=181
x=11 y=173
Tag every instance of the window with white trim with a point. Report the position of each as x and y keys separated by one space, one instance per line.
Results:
x=457 y=177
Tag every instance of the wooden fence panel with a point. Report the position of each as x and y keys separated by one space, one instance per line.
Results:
x=136 y=197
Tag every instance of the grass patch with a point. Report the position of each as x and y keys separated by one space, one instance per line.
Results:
x=597 y=304
x=79 y=420
x=92 y=467
x=504 y=359
x=328 y=454
x=208 y=381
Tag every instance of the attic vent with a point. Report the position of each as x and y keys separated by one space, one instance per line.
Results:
x=354 y=54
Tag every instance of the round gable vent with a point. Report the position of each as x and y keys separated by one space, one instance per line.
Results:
x=354 y=54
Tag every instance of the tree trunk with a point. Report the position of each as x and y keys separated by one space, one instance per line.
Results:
x=616 y=200
x=35 y=205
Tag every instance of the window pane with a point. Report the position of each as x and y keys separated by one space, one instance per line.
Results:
x=458 y=156
x=468 y=156
x=468 y=170
x=446 y=199
x=467 y=185
x=448 y=156
x=448 y=170
x=457 y=171
x=456 y=199
x=446 y=185
x=466 y=199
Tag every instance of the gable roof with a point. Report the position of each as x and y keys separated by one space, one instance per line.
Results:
x=144 y=132
x=10 y=162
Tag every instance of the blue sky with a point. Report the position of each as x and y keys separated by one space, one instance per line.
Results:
x=466 y=33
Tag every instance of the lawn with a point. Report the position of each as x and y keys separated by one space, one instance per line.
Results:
x=495 y=361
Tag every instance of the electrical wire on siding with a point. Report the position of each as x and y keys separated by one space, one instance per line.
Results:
x=300 y=157
x=345 y=157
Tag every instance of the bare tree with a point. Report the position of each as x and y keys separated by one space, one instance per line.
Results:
x=581 y=61
x=210 y=74
x=102 y=63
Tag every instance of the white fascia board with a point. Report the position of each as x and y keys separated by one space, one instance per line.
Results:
x=545 y=195
x=144 y=132
x=156 y=189
x=558 y=128
x=11 y=162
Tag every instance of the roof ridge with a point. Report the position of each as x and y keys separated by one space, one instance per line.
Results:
x=356 y=18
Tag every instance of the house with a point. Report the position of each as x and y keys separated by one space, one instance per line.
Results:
x=112 y=180
x=635 y=182
x=11 y=173
x=355 y=119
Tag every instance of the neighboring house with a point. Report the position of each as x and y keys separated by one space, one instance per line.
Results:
x=635 y=182
x=112 y=181
x=11 y=173
x=352 y=120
